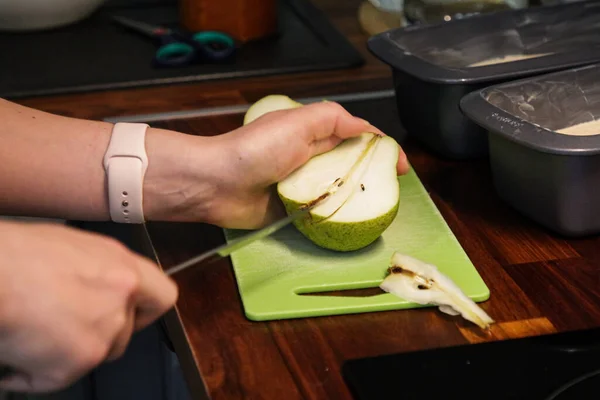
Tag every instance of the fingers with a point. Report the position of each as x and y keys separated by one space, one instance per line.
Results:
x=40 y=381
x=402 y=167
x=324 y=145
x=329 y=123
x=156 y=294
x=22 y=383
x=321 y=120
x=16 y=383
x=124 y=336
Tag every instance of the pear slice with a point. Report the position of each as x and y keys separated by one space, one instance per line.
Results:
x=268 y=104
x=422 y=283
x=366 y=200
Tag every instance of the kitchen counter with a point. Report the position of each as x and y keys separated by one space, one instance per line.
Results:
x=372 y=76
x=540 y=283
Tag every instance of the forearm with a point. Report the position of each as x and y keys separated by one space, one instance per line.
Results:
x=51 y=166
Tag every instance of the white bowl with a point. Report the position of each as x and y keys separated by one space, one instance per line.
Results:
x=27 y=15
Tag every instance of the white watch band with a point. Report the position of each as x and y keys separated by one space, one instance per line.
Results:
x=125 y=163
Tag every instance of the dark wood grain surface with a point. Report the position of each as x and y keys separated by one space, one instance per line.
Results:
x=540 y=283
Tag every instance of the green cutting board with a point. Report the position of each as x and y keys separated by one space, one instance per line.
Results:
x=274 y=274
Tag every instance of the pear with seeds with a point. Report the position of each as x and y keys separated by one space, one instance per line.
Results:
x=365 y=204
x=353 y=189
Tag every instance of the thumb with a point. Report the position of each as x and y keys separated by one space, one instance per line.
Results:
x=16 y=382
x=324 y=145
x=322 y=120
x=26 y=383
x=327 y=144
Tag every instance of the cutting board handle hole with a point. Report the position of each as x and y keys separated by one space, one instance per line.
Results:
x=360 y=292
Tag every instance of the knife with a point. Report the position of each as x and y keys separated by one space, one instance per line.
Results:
x=225 y=250
x=217 y=253
x=213 y=255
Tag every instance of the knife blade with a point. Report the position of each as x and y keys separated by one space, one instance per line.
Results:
x=225 y=250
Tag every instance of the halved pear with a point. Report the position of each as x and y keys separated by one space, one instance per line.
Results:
x=366 y=199
x=353 y=189
x=422 y=283
x=267 y=104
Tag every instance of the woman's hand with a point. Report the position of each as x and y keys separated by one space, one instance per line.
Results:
x=235 y=172
x=228 y=180
x=52 y=165
x=70 y=300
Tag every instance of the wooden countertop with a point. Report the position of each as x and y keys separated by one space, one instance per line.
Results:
x=540 y=283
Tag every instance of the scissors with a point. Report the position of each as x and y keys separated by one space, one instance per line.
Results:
x=177 y=49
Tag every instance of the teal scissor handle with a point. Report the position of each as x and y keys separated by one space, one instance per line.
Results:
x=175 y=53
x=214 y=45
x=183 y=50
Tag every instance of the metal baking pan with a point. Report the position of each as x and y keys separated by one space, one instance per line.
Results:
x=549 y=175
x=432 y=69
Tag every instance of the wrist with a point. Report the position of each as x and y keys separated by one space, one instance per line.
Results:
x=4 y=304
x=181 y=180
x=9 y=234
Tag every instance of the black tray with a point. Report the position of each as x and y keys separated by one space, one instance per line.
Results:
x=97 y=54
x=550 y=177
x=430 y=65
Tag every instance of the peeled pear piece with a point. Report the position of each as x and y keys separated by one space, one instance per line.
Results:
x=366 y=198
x=267 y=104
x=422 y=283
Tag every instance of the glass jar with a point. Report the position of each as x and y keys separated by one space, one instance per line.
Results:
x=245 y=20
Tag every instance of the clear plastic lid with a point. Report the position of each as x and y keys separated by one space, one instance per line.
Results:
x=556 y=113
x=560 y=102
x=495 y=46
